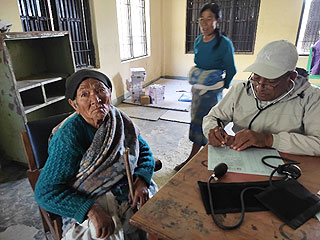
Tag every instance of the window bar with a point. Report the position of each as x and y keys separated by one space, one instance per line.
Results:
x=59 y=15
x=75 y=35
x=246 y=23
x=32 y=16
x=130 y=29
x=29 y=13
x=250 y=15
x=82 y=36
x=72 y=22
x=231 y=21
x=242 y=28
x=38 y=17
x=187 y=27
x=144 y=37
x=85 y=54
x=88 y=32
x=23 y=15
x=78 y=31
x=75 y=28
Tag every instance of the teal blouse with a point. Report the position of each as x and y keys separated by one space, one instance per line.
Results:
x=207 y=57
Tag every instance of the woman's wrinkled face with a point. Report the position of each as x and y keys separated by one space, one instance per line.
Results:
x=92 y=102
x=208 y=22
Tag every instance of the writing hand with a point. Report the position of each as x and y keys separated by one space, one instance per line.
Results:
x=141 y=192
x=247 y=138
x=101 y=220
x=218 y=137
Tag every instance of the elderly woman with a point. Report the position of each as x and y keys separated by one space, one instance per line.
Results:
x=84 y=179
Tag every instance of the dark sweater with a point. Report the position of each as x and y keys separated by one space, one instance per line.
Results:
x=66 y=149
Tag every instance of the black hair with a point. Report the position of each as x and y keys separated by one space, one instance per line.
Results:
x=215 y=9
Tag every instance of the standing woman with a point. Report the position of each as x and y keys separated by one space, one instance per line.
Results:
x=214 y=71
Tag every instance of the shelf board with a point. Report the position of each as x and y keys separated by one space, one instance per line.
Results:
x=38 y=80
x=31 y=108
x=33 y=35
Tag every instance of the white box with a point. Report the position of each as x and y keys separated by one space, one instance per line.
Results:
x=156 y=93
x=138 y=72
x=135 y=78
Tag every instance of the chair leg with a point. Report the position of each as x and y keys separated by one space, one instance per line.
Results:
x=58 y=227
x=44 y=223
x=55 y=228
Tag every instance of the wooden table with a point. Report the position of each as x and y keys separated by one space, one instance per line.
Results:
x=177 y=211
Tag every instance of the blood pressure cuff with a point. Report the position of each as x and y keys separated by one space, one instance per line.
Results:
x=226 y=196
x=290 y=201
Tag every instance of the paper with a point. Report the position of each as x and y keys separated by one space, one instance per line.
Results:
x=246 y=161
x=185 y=97
x=318 y=216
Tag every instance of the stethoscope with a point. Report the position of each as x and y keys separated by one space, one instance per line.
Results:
x=270 y=104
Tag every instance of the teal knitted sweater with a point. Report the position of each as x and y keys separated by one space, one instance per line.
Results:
x=66 y=148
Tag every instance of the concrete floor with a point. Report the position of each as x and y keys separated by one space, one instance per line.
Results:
x=19 y=216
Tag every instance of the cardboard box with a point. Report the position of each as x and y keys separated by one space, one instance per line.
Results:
x=156 y=93
x=145 y=99
x=141 y=72
x=134 y=84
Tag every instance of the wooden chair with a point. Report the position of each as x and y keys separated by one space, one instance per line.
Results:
x=35 y=142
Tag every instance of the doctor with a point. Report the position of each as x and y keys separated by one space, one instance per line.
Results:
x=277 y=107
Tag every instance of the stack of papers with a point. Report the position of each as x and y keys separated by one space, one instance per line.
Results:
x=247 y=161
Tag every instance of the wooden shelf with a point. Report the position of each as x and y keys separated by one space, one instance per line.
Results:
x=31 y=108
x=24 y=84
x=34 y=66
x=41 y=90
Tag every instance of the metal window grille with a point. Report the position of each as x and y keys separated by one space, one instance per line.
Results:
x=34 y=15
x=309 y=30
x=132 y=29
x=62 y=15
x=239 y=22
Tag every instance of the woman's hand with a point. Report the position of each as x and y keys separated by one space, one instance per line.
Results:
x=101 y=220
x=247 y=138
x=141 y=192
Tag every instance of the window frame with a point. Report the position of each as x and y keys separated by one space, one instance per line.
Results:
x=130 y=36
x=300 y=29
x=63 y=16
x=226 y=25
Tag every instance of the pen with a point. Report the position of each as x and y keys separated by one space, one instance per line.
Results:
x=221 y=126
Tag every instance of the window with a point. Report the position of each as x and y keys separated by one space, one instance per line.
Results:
x=59 y=15
x=309 y=31
x=132 y=29
x=239 y=22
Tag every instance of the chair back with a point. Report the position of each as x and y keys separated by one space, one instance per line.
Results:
x=35 y=142
x=38 y=132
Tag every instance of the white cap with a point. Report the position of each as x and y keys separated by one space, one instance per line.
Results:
x=275 y=59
